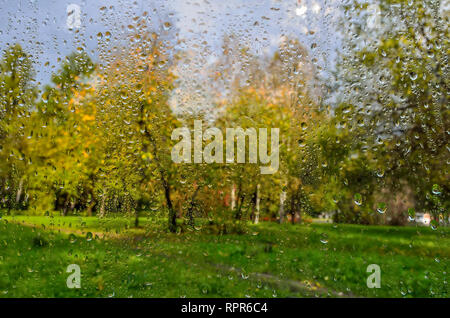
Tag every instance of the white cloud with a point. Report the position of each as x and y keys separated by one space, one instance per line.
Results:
x=300 y=11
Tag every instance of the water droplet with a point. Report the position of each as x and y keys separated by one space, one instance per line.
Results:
x=324 y=238
x=436 y=189
x=301 y=143
x=358 y=199
x=411 y=214
x=434 y=224
x=72 y=238
x=381 y=207
x=380 y=173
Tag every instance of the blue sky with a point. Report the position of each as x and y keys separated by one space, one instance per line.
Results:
x=41 y=25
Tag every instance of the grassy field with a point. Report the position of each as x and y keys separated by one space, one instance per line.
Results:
x=316 y=260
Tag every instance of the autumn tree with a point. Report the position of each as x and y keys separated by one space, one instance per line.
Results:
x=392 y=85
x=17 y=96
x=61 y=140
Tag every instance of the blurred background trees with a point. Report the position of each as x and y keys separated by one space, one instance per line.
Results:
x=369 y=147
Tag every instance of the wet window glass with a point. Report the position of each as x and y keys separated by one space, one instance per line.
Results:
x=208 y=148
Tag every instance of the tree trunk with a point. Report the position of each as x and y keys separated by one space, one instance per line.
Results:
x=240 y=203
x=179 y=208
x=190 y=215
x=136 y=218
x=253 y=207
x=8 y=199
x=293 y=209
x=172 y=212
x=257 y=204
x=298 y=216
x=190 y=211
x=164 y=177
x=89 y=209
x=281 y=208
x=66 y=205
x=102 y=205
x=233 y=197
x=72 y=205
x=19 y=190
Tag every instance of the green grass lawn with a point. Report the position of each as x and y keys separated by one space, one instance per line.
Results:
x=270 y=261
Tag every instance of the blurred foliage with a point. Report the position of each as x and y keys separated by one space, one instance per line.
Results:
x=97 y=139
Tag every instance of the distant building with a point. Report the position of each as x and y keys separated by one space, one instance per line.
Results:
x=423 y=218
x=325 y=217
